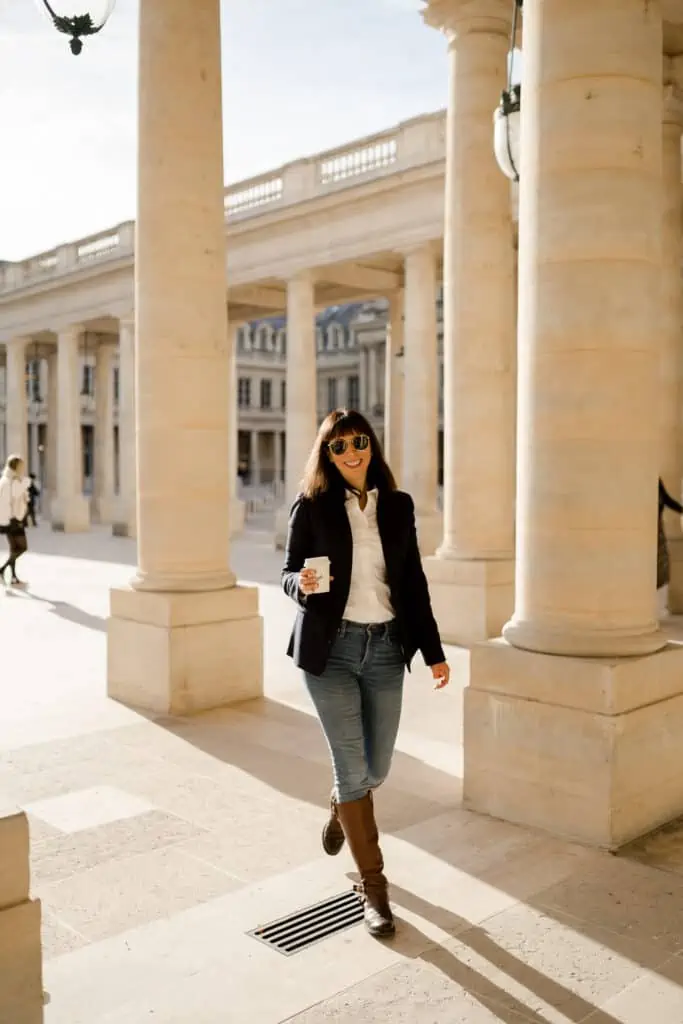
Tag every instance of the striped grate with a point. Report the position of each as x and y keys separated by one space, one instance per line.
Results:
x=298 y=931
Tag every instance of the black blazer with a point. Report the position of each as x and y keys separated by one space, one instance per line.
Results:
x=320 y=526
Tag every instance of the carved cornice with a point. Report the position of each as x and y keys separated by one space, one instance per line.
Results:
x=457 y=17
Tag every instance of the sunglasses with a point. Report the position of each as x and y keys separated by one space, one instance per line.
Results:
x=359 y=441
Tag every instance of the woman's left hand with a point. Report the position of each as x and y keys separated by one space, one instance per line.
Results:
x=441 y=674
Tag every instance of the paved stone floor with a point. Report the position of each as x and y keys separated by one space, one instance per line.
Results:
x=159 y=844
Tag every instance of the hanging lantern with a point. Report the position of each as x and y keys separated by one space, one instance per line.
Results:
x=81 y=23
x=506 y=119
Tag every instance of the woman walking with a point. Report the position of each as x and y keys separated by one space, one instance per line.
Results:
x=355 y=639
x=13 y=509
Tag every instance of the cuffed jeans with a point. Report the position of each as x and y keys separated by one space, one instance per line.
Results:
x=358 y=700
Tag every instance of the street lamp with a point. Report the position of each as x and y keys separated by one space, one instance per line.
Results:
x=79 y=24
x=507 y=115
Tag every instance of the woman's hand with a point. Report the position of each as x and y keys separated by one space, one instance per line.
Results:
x=308 y=581
x=442 y=675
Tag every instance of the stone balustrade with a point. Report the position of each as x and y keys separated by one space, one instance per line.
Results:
x=411 y=144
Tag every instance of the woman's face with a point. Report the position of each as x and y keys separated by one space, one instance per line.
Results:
x=19 y=468
x=351 y=454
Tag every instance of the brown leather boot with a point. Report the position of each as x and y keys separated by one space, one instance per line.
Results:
x=358 y=821
x=333 y=833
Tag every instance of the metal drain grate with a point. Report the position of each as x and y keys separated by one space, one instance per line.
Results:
x=298 y=931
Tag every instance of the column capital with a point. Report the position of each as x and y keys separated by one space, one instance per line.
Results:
x=672 y=106
x=463 y=17
x=18 y=342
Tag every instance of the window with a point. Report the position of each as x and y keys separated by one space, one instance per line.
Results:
x=117 y=383
x=88 y=385
x=266 y=394
x=33 y=381
x=244 y=392
x=283 y=394
x=331 y=393
x=353 y=391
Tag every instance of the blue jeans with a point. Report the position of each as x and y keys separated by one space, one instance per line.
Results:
x=358 y=700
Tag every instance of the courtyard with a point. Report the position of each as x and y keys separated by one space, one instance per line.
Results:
x=158 y=844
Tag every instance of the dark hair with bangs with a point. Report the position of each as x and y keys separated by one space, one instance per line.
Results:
x=321 y=475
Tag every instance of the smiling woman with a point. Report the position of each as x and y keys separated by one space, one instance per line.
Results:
x=355 y=640
x=81 y=22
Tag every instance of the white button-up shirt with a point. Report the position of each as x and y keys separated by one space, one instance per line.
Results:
x=369 y=598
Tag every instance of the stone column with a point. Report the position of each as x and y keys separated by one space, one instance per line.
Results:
x=574 y=724
x=237 y=507
x=394 y=384
x=51 y=442
x=472 y=575
x=671 y=385
x=363 y=372
x=373 y=395
x=301 y=415
x=183 y=637
x=71 y=509
x=16 y=410
x=254 y=459
x=126 y=514
x=421 y=418
x=104 y=434
x=277 y=449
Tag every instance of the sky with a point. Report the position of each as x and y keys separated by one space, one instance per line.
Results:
x=299 y=76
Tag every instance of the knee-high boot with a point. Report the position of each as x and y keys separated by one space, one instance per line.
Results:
x=358 y=821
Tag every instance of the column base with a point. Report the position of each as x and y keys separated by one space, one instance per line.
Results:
x=21 y=988
x=281 y=522
x=472 y=600
x=429 y=532
x=587 y=750
x=238 y=516
x=105 y=511
x=179 y=653
x=71 y=515
x=676 y=583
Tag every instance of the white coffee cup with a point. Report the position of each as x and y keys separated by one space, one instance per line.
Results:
x=321 y=567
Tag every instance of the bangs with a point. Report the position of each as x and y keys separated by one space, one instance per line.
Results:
x=348 y=423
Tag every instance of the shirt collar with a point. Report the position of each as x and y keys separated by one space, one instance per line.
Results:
x=372 y=497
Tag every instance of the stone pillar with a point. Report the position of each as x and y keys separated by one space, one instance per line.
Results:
x=472 y=576
x=277 y=451
x=183 y=637
x=301 y=416
x=104 y=434
x=51 y=442
x=421 y=417
x=21 y=982
x=574 y=724
x=254 y=459
x=126 y=514
x=363 y=372
x=373 y=393
x=237 y=507
x=70 y=509
x=671 y=393
x=394 y=384
x=16 y=409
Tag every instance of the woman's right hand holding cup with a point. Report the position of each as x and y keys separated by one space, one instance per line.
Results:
x=308 y=581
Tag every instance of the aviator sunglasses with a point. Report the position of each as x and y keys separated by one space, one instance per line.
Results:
x=359 y=441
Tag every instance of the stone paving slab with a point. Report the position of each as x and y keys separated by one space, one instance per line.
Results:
x=210 y=826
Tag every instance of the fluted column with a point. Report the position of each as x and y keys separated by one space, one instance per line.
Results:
x=70 y=511
x=16 y=402
x=671 y=381
x=126 y=515
x=472 y=576
x=301 y=414
x=184 y=637
x=421 y=419
x=104 y=433
x=574 y=724
x=254 y=459
x=373 y=379
x=52 y=429
x=394 y=384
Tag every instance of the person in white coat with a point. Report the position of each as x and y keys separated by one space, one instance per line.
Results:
x=13 y=507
